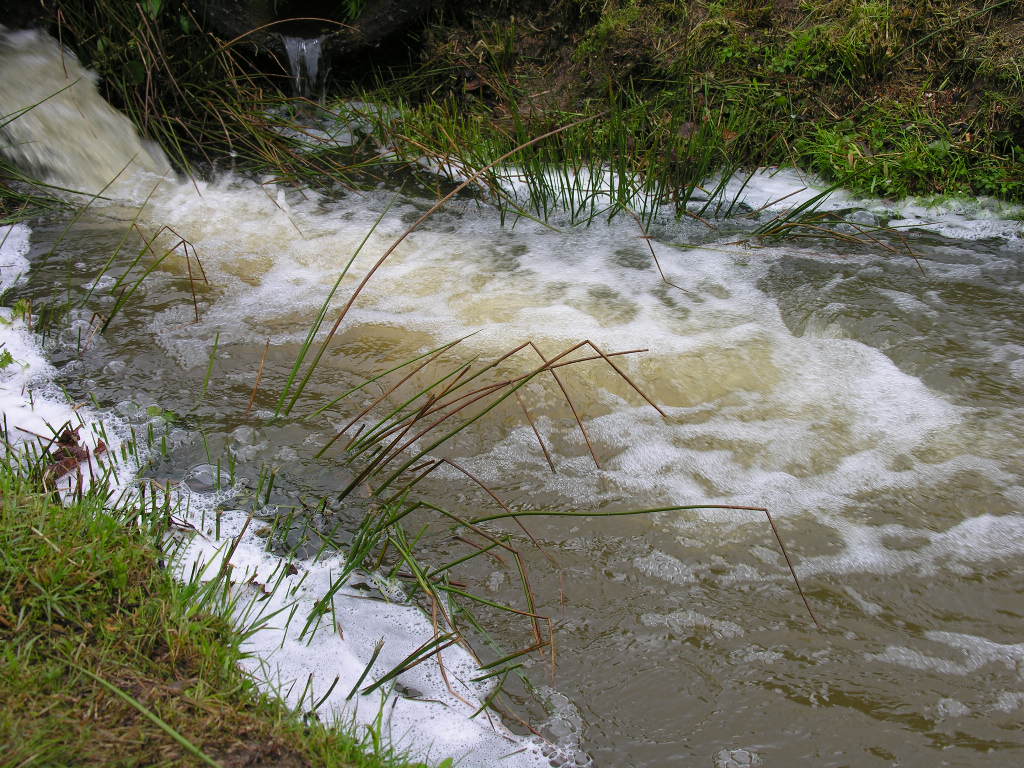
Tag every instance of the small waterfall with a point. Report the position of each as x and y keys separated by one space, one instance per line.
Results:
x=304 y=62
x=55 y=125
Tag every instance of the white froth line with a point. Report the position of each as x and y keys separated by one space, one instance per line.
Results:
x=977 y=652
x=283 y=661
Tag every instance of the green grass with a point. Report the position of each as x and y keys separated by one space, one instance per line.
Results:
x=896 y=151
x=107 y=661
x=896 y=97
x=928 y=98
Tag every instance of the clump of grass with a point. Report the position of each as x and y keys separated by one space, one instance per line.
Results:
x=108 y=661
x=393 y=453
x=893 y=150
x=926 y=97
x=630 y=154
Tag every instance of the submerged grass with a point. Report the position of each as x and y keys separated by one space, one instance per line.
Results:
x=390 y=455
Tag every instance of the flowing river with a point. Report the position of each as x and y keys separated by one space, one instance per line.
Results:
x=871 y=399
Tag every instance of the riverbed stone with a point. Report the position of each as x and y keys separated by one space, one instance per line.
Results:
x=260 y=23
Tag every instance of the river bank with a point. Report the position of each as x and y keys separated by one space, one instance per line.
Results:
x=854 y=365
x=888 y=99
x=891 y=98
x=111 y=662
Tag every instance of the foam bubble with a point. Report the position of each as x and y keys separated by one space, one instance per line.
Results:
x=737 y=758
x=984 y=538
x=974 y=653
x=14 y=244
x=1009 y=701
x=976 y=219
x=946 y=708
x=694 y=624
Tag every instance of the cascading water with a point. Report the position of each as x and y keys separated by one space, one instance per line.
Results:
x=304 y=54
x=56 y=126
x=877 y=412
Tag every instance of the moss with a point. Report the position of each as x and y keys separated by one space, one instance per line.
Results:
x=635 y=38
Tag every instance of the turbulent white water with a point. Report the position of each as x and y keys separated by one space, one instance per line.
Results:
x=53 y=123
x=877 y=411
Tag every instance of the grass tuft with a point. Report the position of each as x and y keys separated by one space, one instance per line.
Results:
x=106 y=661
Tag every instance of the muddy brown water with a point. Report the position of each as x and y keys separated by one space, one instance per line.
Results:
x=875 y=410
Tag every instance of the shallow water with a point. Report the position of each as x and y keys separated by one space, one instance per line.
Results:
x=873 y=402
x=873 y=409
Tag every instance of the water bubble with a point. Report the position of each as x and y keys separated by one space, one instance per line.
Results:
x=737 y=758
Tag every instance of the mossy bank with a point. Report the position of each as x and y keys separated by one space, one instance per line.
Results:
x=889 y=98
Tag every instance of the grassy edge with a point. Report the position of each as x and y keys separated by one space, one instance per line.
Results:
x=917 y=99
x=104 y=661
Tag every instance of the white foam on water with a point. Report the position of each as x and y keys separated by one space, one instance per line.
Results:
x=757 y=415
x=667 y=567
x=976 y=219
x=980 y=539
x=432 y=720
x=737 y=758
x=1009 y=701
x=34 y=410
x=26 y=407
x=693 y=623
x=778 y=189
x=775 y=189
x=14 y=244
x=947 y=708
x=973 y=654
